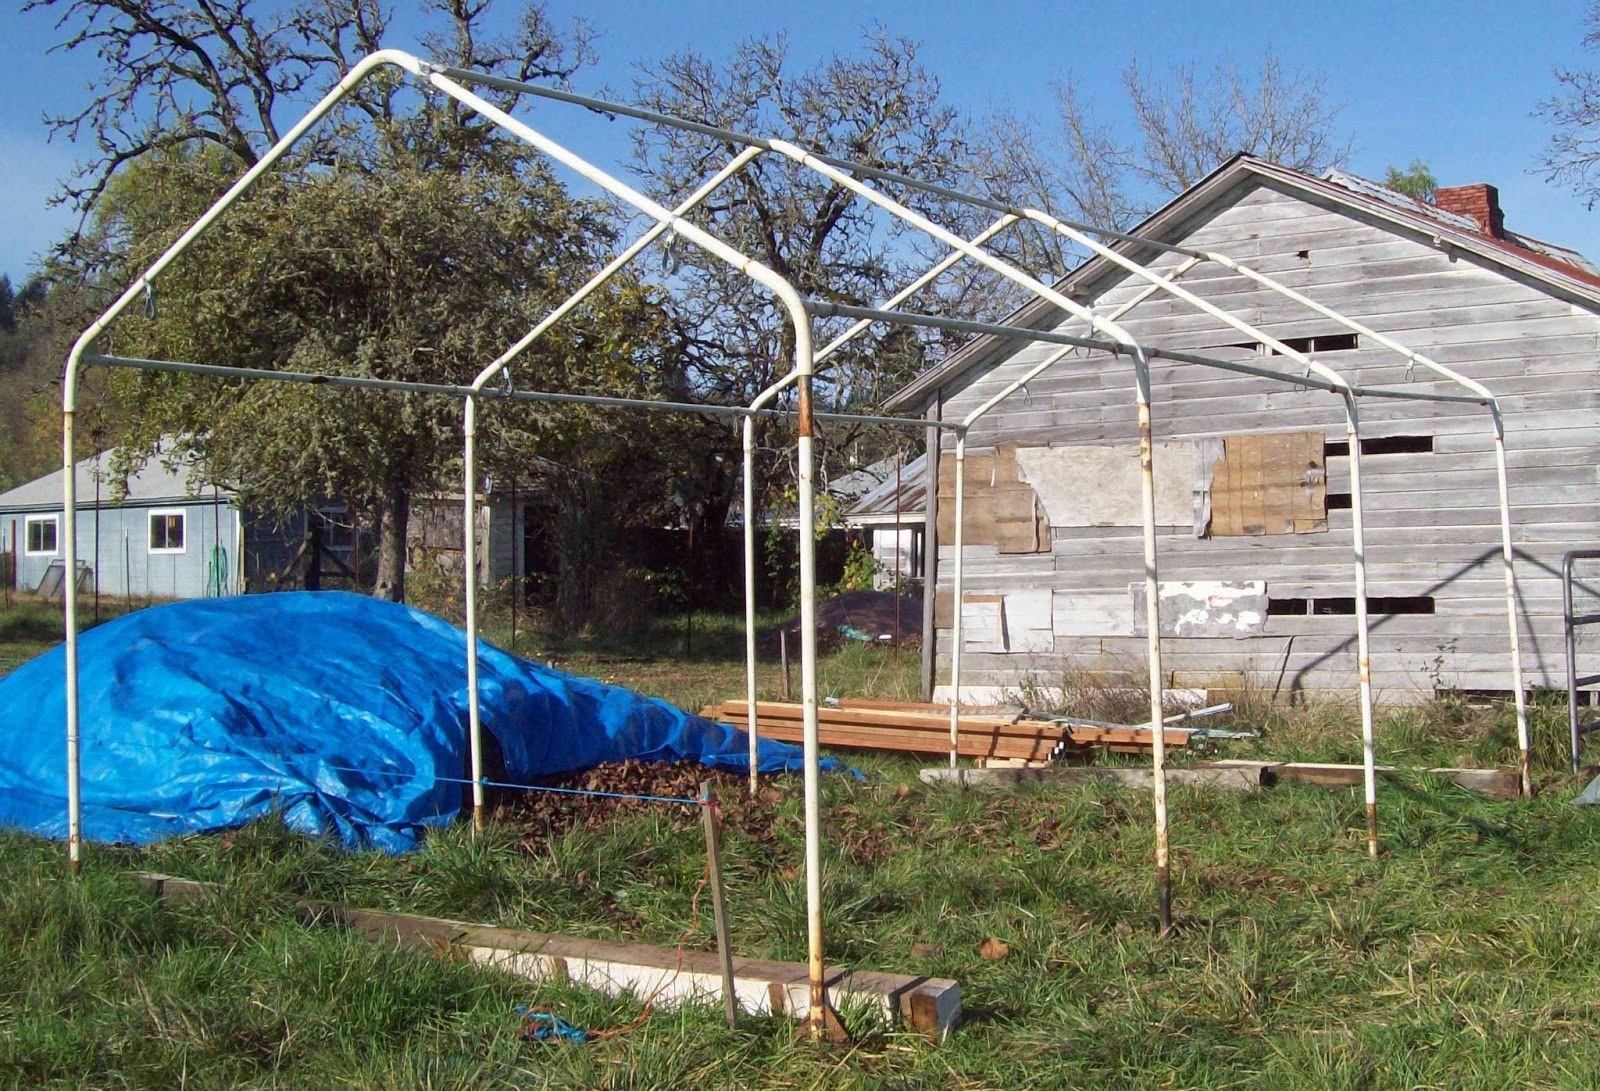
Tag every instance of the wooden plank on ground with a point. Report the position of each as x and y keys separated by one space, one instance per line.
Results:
x=1494 y=783
x=1239 y=779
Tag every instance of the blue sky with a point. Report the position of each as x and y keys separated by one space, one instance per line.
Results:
x=1453 y=84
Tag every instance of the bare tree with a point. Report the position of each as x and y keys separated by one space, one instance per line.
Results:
x=1572 y=156
x=1185 y=124
x=879 y=107
x=177 y=74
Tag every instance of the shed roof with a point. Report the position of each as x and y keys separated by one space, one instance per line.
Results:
x=156 y=482
x=1560 y=271
x=903 y=495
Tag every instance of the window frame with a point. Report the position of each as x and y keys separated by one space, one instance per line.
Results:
x=150 y=517
x=29 y=522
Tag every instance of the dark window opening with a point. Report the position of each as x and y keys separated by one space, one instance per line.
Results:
x=1401 y=604
x=1338 y=501
x=1397 y=445
x=1293 y=607
x=1327 y=342
x=1381 y=445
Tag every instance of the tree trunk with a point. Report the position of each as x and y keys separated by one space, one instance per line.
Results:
x=392 y=523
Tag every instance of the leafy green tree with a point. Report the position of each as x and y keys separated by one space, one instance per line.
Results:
x=1415 y=181
x=408 y=242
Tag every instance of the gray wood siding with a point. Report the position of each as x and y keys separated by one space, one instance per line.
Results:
x=1432 y=518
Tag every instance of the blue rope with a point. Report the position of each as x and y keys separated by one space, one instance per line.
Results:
x=544 y=1026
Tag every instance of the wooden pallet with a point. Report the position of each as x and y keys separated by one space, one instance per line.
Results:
x=925 y=729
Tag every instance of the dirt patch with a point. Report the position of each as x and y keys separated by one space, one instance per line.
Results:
x=878 y=616
x=537 y=815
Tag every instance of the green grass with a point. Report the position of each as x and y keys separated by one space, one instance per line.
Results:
x=1460 y=959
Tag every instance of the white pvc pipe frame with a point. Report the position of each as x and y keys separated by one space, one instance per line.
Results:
x=801 y=311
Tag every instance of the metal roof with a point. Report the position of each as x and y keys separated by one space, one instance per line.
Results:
x=884 y=501
x=155 y=482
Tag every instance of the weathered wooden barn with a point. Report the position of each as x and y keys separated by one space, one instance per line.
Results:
x=1253 y=492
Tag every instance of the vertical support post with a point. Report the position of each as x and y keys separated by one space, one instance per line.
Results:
x=516 y=559
x=713 y=826
x=1369 y=767
x=816 y=1019
x=469 y=566
x=749 y=446
x=783 y=665
x=1569 y=646
x=930 y=549
x=899 y=465
x=1506 y=555
x=1152 y=606
x=955 y=595
x=69 y=599
x=96 y=534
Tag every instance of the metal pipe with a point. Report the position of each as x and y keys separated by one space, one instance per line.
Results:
x=1525 y=761
x=1152 y=594
x=469 y=566
x=69 y=595
x=801 y=319
x=593 y=284
x=748 y=446
x=949 y=261
x=615 y=265
x=69 y=399
x=1369 y=768
x=1142 y=388
x=827 y=309
x=731 y=135
x=492 y=394
x=1497 y=425
x=956 y=593
x=1358 y=542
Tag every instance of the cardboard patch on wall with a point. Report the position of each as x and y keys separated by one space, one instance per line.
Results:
x=1269 y=484
x=1099 y=486
x=998 y=508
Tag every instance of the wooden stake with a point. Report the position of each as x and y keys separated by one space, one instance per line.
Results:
x=783 y=658
x=713 y=825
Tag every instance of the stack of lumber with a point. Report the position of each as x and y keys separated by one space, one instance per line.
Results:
x=925 y=729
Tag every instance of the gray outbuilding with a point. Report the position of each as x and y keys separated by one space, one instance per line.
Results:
x=1253 y=480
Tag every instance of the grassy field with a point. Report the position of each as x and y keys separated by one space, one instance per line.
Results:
x=1457 y=960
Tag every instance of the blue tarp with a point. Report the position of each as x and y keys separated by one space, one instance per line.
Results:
x=339 y=711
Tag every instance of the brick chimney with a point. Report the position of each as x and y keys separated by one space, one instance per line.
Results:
x=1480 y=201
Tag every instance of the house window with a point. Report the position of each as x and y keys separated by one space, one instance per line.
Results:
x=166 y=532
x=41 y=536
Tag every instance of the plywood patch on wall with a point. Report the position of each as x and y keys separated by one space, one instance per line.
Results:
x=1084 y=486
x=1009 y=621
x=1272 y=483
x=998 y=508
x=1091 y=613
x=1205 y=608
